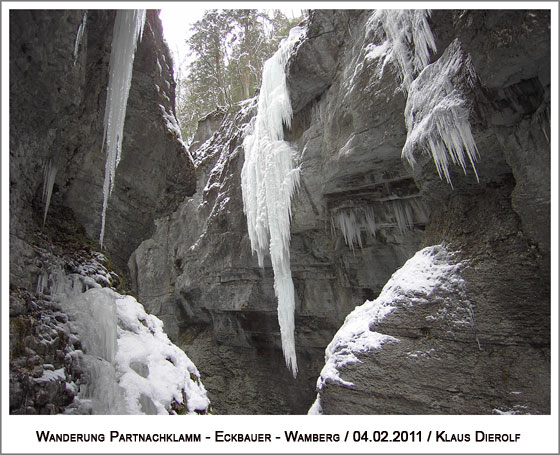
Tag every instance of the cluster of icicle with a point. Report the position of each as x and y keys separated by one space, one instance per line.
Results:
x=436 y=111
x=411 y=39
x=268 y=181
x=351 y=221
x=437 y=115
x=127 y=31
x=397 y=213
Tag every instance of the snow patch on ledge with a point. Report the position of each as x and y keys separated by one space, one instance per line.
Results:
x=430 y=268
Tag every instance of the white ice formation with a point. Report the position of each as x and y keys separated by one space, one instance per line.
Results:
x=436 y=114
x=130 y=364
x=79 y=35
x=397 y=214
x=127 y=31
x=430 y=268
x=411 y=39
x=351 y=222
x=49 y=176
x=268 y=181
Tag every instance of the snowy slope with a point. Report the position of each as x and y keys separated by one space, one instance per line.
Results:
x=130 y=364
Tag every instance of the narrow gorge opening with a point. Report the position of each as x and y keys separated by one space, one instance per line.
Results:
x=241 y=268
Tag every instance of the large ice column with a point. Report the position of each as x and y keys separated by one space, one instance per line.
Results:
x=127 y=31
x=268 y=181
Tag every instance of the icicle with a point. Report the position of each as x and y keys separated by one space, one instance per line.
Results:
x=268 y=181
x=351 y=221
x=49 y=176
x=127 y=31
x=437 y=115
x=411 y=39
x=79 y=35
x=401 y=214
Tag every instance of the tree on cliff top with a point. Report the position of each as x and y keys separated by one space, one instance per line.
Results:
x=228 y=49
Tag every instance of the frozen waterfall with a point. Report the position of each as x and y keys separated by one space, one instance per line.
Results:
x=130 y=364
x=268 y=181
x=128 y=28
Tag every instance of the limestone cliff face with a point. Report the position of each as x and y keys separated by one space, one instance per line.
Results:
x=57 y=104
x=361 y=212
x=349 y=129
x=500 y=226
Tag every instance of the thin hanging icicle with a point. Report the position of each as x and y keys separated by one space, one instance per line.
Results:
x=127 y=31
x=352 y=221
x=49 y=176
x=268 y=181
x=79 y=35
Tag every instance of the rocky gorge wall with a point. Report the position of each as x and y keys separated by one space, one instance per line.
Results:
x=501 y=361
x=360 y=213
x=57 y=106
x=349 y=130
x=58 y=88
